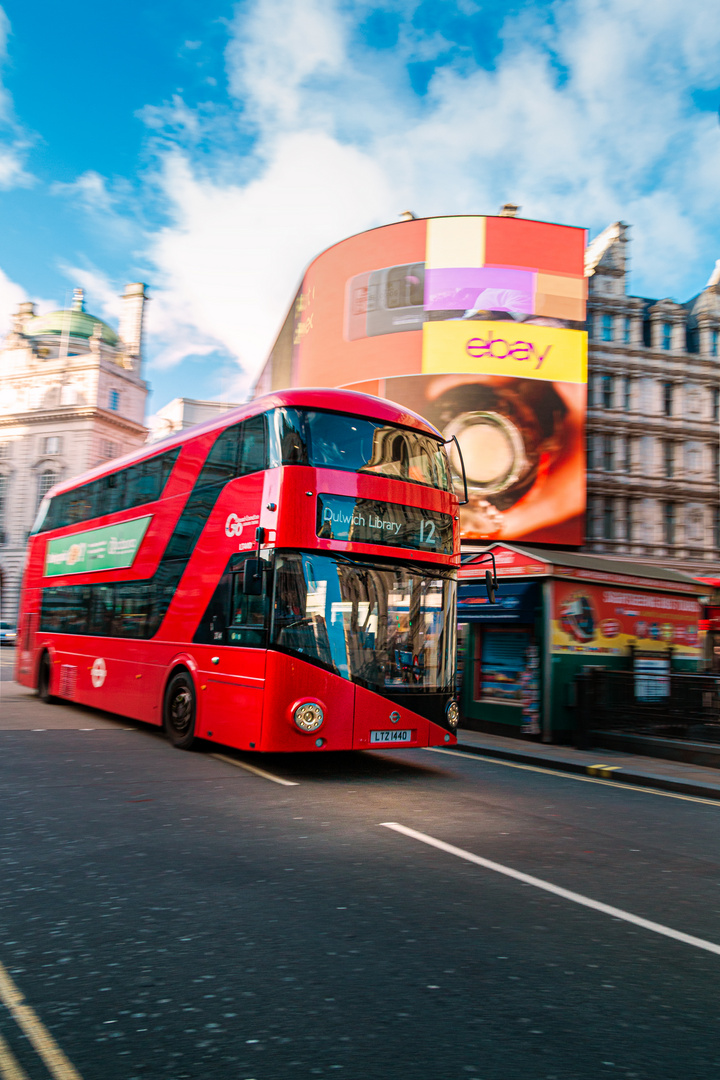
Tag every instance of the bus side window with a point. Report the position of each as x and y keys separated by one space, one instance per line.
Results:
x=100 y=619
x=221 y=463
x=253 y=454
x=291 y=433
x=132 y=608
x=211 y=628
x=142 y=483
x=113 y=495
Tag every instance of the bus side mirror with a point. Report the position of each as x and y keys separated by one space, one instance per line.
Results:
x=253 y=577
x=490 y=585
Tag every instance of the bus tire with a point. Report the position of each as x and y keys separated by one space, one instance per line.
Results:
x=179 y=710
x=44 y=677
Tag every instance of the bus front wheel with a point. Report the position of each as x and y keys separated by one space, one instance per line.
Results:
x=179 y=711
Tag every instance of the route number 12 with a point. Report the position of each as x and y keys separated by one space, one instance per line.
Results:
x=427 y=532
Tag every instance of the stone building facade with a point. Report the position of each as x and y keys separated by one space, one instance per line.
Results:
x=182 y=413
x=71 y=397
x=653 y=428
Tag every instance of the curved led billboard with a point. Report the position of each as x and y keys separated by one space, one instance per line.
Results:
x=477 y=323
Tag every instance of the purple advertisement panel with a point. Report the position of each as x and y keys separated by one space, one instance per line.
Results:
x=474 y=289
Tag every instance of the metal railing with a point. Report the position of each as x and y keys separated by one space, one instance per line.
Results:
x=674 y=706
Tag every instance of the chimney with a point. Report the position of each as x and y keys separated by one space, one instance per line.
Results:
x=131 y=321
x=509 y=209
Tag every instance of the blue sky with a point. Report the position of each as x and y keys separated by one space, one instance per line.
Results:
x=212 y=148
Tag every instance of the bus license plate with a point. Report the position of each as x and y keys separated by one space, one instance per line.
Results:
x=391 y=736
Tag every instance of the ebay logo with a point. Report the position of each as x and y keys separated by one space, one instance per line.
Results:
x=500 y=349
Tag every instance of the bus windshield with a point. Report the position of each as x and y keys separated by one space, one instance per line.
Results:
x=356 y=444
x=389 y=628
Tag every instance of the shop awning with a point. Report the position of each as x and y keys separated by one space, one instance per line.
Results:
x=516 y=602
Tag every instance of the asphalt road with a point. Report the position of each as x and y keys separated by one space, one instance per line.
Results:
x=170 y=915
x=7 y=663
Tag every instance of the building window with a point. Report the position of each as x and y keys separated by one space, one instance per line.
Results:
x=607 y=391
x=114 y=400
x=52 y=444
x=715 y=402
x=590 y=322
x=668 y=398
x=4 y=449
x=590 y=456
x=608 y=520
x=607 y=327
x=627 y=327
x=627 y=456
x=716 y=461
x=692 y=458
x=669 y=454
x=716 y=527
x=669 y=518
x=629 y=508
x=591 y=518
x=608 y=453
x=714 y=341
x=109 y=449
x=695 y=528
x=627 y=393
x=46 y=480
x=667 y=336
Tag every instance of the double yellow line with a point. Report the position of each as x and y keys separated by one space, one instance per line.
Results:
x=57 y=1064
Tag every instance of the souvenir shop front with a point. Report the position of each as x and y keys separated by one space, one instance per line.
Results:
x=555 y=614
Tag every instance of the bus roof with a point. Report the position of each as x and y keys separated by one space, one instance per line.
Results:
x=342 y=401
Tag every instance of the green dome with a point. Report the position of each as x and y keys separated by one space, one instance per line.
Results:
x=74 y=323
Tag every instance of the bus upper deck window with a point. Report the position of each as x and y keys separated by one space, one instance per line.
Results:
x=291 y=434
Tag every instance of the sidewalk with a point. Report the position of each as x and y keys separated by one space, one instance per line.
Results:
x=608 y=764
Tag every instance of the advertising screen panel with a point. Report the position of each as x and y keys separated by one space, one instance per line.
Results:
x=478 y=324
x=603 y=621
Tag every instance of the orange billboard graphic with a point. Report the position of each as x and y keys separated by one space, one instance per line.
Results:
x=477 y=323
x=604 y=621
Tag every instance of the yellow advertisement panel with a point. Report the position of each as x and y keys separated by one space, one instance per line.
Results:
x=505 y=348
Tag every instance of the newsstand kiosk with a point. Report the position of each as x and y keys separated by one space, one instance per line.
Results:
x=556 y=613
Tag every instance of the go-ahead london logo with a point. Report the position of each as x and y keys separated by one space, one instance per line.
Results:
x=234 y=525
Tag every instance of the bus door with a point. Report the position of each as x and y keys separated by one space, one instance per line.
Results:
x=232 y=661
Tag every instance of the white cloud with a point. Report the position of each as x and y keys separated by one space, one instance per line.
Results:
x=584 y=119
x=231 y=260
x=276 y=47
x=11 y=294
x=101 y=295
x=14 y=142
x=90 y=190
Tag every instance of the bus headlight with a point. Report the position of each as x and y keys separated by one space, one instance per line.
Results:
x=308 y=716
x=452 y=713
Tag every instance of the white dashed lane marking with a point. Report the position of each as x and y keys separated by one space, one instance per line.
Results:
x=566 y=894
x=254 y=769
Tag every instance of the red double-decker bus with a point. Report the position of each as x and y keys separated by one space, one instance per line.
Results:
x=279 y=579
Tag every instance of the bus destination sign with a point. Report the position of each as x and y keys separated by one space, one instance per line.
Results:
x=110 y=548
x=368 y=521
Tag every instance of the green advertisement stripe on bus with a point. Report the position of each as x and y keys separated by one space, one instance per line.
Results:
x=110 y=548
